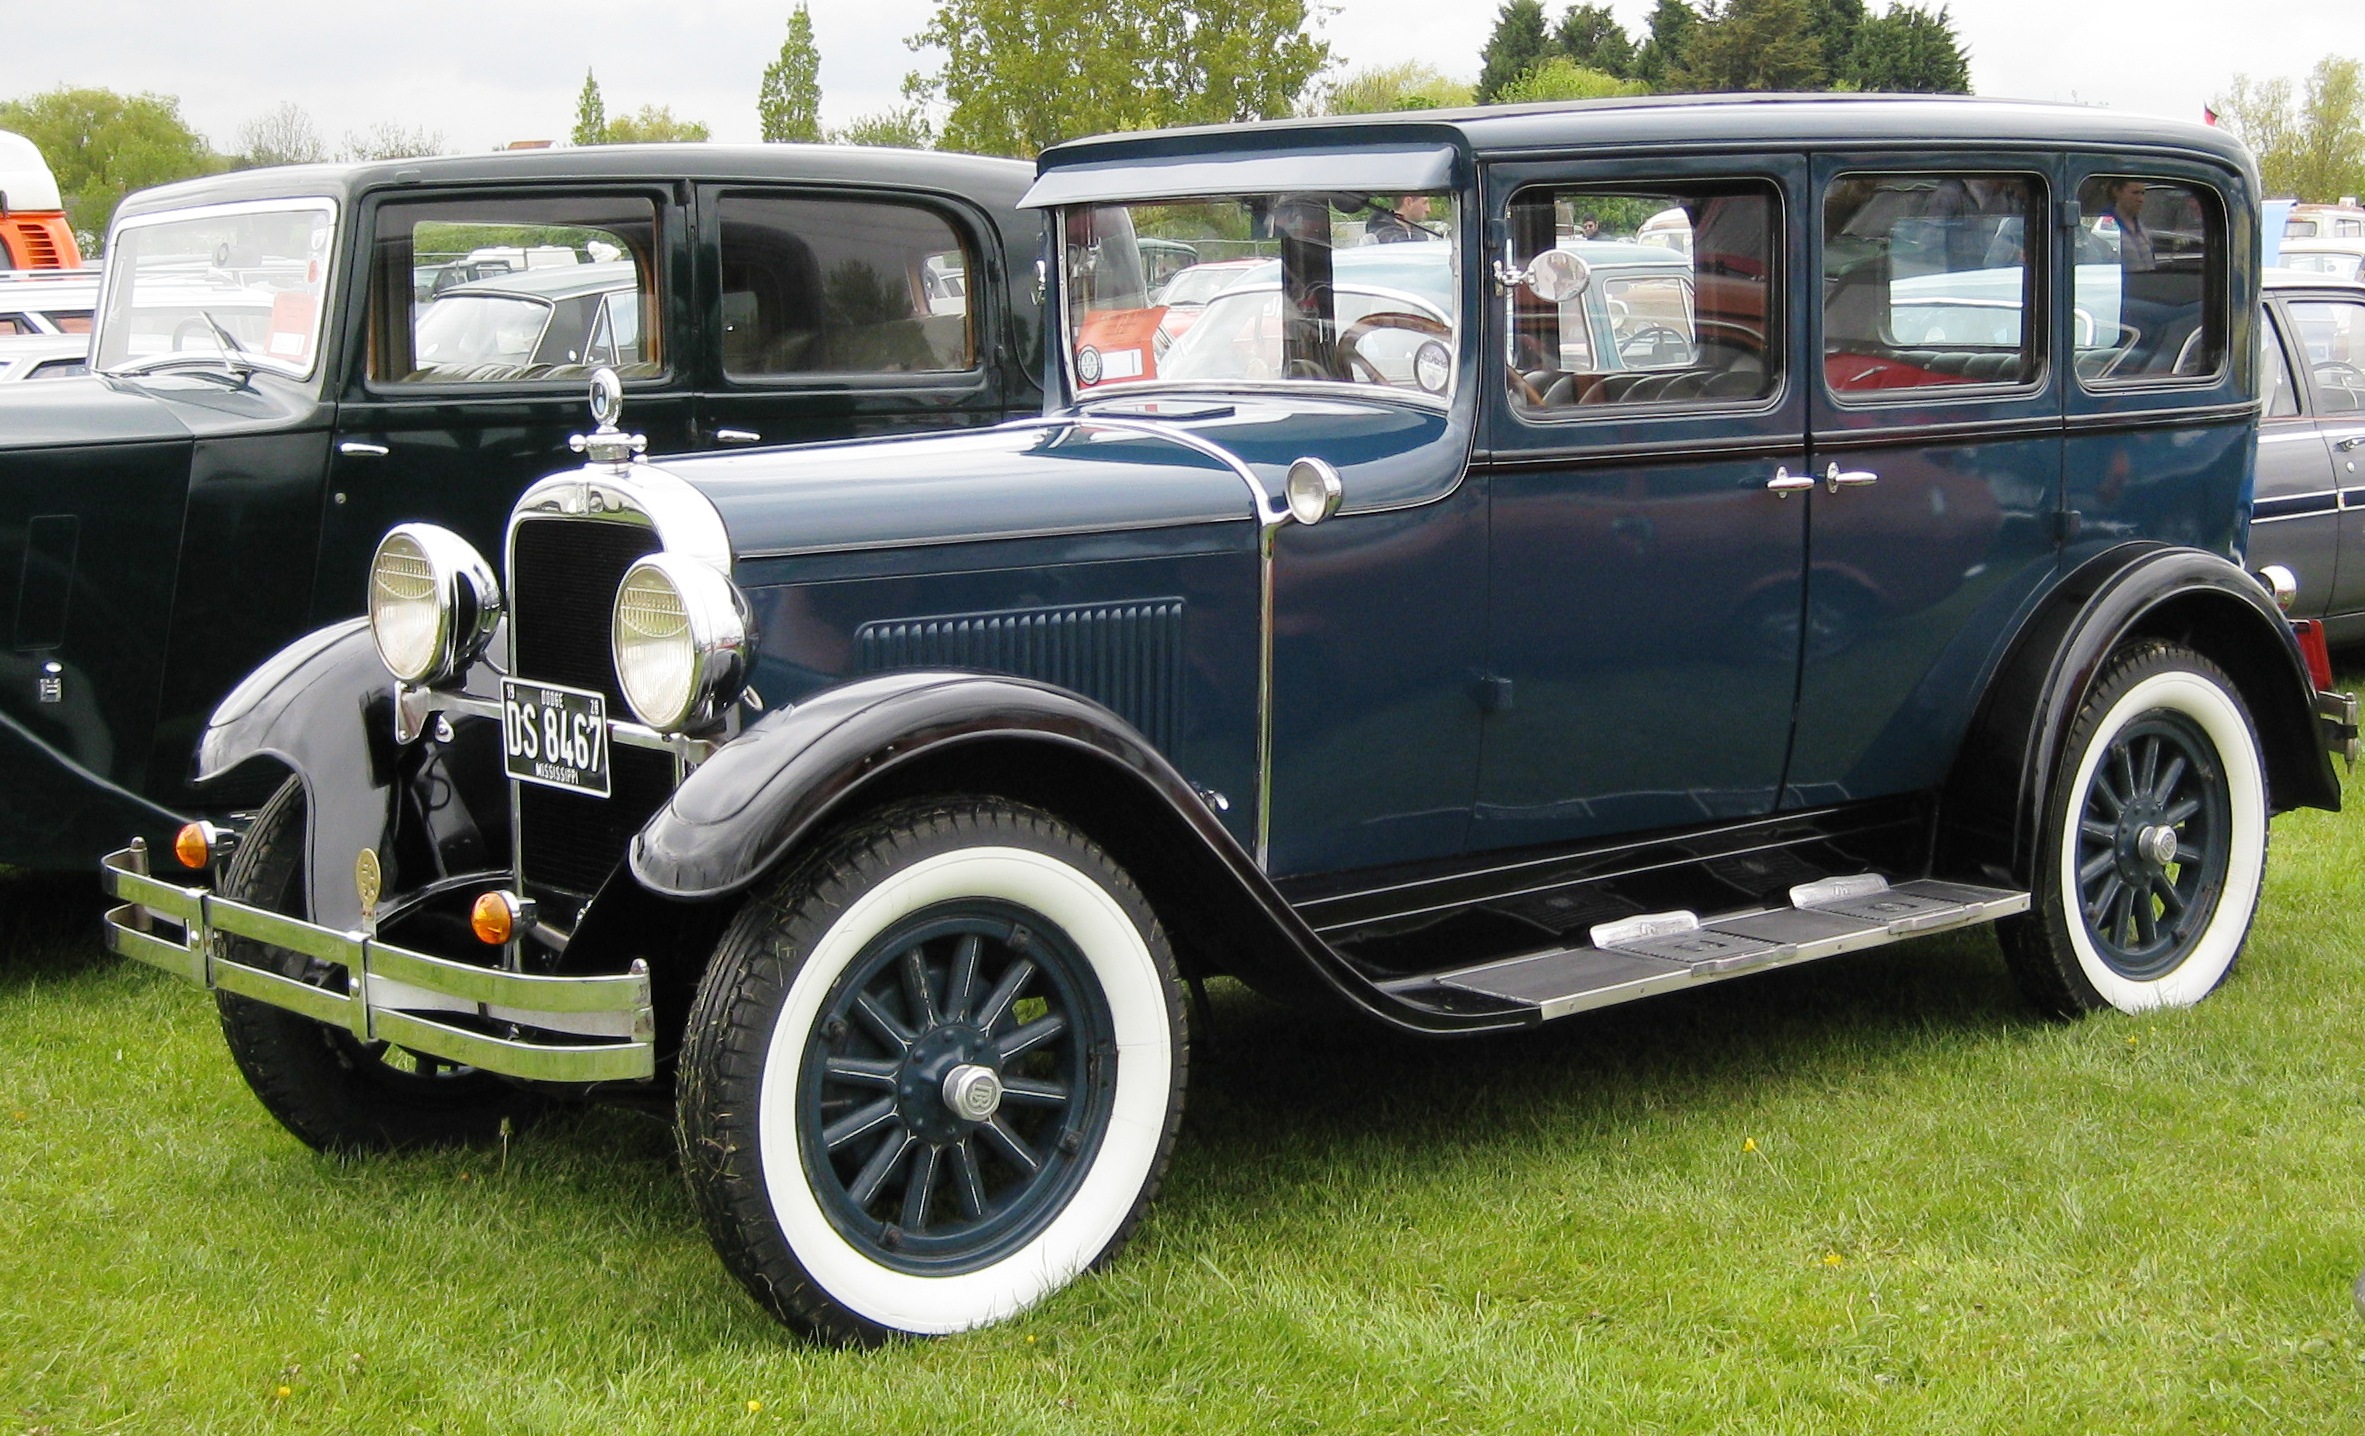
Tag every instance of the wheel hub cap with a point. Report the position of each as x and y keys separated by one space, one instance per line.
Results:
x=972 y=1091
x=2158 y=844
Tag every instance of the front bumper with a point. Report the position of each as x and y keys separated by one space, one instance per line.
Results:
x=561 y=1029
x=2338 y=712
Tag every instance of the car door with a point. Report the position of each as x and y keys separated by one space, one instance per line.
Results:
x=845 y=313
x=1936 y=452
x=1647 y=533
x=2327 y=341
x=482 y=314
x=2296 y=510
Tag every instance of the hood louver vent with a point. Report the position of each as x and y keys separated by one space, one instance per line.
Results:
x=1125 y=656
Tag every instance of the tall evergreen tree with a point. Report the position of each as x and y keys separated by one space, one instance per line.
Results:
x=1834 y=24
x=788 y=108
x=591 y=114
x=1669 y=34
x=1517 y=46
x=1592 y=37
x=1909 y=50
x=1752 y=45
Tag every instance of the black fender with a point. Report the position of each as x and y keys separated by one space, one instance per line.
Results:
x=1994 y=800
x=323 y=708
x=796 y=774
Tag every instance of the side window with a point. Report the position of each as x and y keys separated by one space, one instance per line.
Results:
x=506 y=288
x=1654 y=296
x=13 y=324
x=1927 y=282
x=2329 y=337
x=842 y=286
x=2150 y=270
x=2274 y=372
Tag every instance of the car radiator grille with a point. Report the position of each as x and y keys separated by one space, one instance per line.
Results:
x=562 y=587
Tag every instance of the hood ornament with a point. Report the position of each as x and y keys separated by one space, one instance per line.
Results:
x=607 y=444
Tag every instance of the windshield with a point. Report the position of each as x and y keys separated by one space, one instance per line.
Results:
x=241 y=280
x=2339 y=266
x=1329 y=288
x=461 y=331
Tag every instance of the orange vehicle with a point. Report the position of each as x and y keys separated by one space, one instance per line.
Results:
x=33 y=229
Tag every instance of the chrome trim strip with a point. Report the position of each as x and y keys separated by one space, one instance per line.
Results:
x=1260 y=502
x=615 y=1005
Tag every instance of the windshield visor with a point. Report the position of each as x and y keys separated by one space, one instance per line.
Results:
x=1298 y=288
x=240 y=282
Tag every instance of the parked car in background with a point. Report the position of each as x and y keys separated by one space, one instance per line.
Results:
x=2338 y=259
x=2309 y=510
x=1431 y=640
x=34 y=233
x=2344 y=220
x=276 y=387
x=1184 y=296
x=43 y=356
x=48 y=301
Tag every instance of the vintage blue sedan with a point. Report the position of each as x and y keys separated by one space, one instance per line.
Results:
x=1469 y=622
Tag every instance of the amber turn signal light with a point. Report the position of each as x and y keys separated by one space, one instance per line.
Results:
x=198 y=844
x=498 y=916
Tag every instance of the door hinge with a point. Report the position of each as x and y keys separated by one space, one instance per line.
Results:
x=1493 y=694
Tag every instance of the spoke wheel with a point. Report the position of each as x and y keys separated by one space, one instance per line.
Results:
x=933 y=1073
x=2154 y=846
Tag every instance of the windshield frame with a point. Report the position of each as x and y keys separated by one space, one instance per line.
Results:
x=1061 y=320
x=120 y=274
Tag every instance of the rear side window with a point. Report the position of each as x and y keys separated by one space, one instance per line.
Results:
x=1659 y=296
x=502 y=289
x=2330 y=337
x=2282 y=402
x=843 y=286
x=1927 y=284
x=2150 y=280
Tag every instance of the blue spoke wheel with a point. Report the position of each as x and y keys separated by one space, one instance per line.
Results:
x=934 y=1072
x=2155 y=841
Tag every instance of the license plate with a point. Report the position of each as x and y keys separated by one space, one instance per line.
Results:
x=554 y=736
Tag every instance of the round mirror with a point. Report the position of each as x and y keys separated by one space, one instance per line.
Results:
x=1557 y=276
x=607 y=398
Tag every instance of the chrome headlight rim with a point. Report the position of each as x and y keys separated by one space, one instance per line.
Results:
x=717 y=628
x=464 y=590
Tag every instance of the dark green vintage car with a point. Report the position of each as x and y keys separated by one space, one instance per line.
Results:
x=292 y=360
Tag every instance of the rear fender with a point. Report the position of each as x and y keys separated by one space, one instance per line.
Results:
x=1995 y=798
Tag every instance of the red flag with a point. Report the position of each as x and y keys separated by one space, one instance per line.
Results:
x=2208 y=116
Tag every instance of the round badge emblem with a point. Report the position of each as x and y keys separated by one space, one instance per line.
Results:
x=1088 y=365
x=1432 y=367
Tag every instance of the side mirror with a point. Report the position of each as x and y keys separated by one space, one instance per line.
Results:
x=1557 y=276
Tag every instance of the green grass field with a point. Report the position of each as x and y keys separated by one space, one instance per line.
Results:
x=1876 y=1195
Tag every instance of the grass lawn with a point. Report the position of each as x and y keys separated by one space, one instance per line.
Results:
x=1873 y=1195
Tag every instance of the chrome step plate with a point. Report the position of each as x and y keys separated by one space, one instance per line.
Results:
x=1836 y=916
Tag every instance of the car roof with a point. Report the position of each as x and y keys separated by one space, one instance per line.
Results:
x=555 y=281
x=2327 y=244
x=2281 y=279
x=1736 y=120
x=995 y=182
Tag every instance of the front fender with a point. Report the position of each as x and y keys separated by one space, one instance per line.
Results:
x=1995 y=798
x=322 y=707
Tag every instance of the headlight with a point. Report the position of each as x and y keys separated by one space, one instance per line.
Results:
x=680 y=641
x=433 y=603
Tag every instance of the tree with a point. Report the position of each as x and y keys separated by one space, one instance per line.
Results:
x=1561 y=78
x=387 y=140
x=653 y=125
x=906 y=128
x=1909 y=50
x=1834 y=24
x=102 y=145
x=788 y=108
x=1751 y=45
x=1384 y=89
x=2311 y=147
x=1672 y=25
x=1019 y=75
x=591 y=113
x=282 y=135
x=1591 y=36
x=1517 y=46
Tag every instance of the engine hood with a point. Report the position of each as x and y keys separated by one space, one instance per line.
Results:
x=1020 y=480
x=53 y=413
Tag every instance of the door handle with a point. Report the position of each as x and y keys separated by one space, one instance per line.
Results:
x=1784 y=483
x=1836 y=478
x=737 y=436
x=359 y=450
x=2342 y=446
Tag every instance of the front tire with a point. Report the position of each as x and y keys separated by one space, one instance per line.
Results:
x=2154 y=844
x=933 y=1074
x=331 y=1089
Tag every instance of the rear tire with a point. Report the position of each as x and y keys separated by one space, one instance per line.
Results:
x=841 y=1180
x=334 y=1091
x=2154 y=844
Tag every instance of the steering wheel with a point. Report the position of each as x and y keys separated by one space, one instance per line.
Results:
x=2339 y=373
x=1652 y=336
x=1350 y=358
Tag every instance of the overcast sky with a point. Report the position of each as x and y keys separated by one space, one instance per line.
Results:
x=486 y=75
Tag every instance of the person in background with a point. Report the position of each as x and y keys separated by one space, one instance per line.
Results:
x=1403 y=222
x=2126 y=207
x=1588 y=228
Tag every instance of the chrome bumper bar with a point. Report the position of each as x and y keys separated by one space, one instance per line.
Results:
x=2339 y=714
x=392 y=994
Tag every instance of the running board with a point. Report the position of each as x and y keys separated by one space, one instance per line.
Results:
x=1664 y=952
